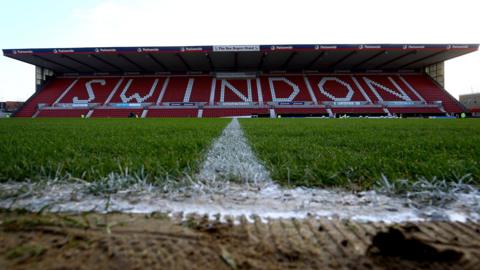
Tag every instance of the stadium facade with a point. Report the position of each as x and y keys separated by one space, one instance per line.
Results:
x=472 y=103
x=245 y=80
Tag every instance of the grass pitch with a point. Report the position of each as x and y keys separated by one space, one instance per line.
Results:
x=357 y=152
x=89 y=149
x=298 y=152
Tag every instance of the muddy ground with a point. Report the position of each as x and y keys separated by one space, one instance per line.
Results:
x=156 y=241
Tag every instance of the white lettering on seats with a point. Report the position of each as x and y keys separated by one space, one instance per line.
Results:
x=361 y=89
x=226 y=85
x=259 y=91
x=212 y=91
x=371 y=84
x=310 y=90
x=66 y=91
x=162 y=92
x=324 y=80
x=411 y=88
x=188 y=91
x=114 y=91
x=137 y=96
x=91 y=94
x=295 y=88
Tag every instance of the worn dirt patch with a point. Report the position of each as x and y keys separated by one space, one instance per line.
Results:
x=155 y=241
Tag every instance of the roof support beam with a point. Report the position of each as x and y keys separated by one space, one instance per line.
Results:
x=210 y=62
x=341 y=60
x=235 y=62
x=124 y=57
x=368 y=59
x=80 y=62
x=105 y=62
x=262 y=59
x=289 y=59
x=395 y=59
x=311 y=63
x=55 y=63
x=421 y=59
x=183 y=61
x=158 y=62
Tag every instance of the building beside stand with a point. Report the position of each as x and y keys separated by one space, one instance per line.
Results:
x=472 y=103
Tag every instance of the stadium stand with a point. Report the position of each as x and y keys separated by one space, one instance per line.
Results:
x=317 y=111
x=116 y=113
x=226 y=112
x=173 y=113
x=354 y=94
x=296 y=80
x=48 y=95
x=62 y=113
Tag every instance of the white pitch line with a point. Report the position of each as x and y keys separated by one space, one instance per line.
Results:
x=237 y=202
x=213 y=194
x=231 y=158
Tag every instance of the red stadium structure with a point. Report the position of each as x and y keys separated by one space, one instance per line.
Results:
x=224 y=81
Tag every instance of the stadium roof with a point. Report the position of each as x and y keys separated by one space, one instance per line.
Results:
x=320 y=57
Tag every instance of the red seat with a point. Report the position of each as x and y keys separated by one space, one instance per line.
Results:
x=300 y=111
x=359 y=110
x=116 y=113
x=345 y=93
x=67 y=113
x=432 y=92
x=226 y=112
x=415 y=110
x=172 y=113
x=52 y=90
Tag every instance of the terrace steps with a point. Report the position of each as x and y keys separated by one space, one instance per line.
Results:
x=286 y=94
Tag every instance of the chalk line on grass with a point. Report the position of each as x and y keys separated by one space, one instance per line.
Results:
x=231 y=183
x=232 y=159
x=237 y=201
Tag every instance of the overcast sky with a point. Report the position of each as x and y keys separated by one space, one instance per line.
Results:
x=92 y=23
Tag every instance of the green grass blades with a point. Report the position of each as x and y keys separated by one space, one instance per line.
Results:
x=356 y=152
x=93 y=148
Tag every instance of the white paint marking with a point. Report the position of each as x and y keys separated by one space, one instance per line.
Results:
x=162 y=92
x=36 y=114
x=259 y=92
x=212 y=194
x=231 y=158
x=115 y=89
x=65 y=92
x=364 y=94
x=212 y=92
x=89 y=114
x=310 y=90
x=238 y=201
x=411 y=88
x=188 y=91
